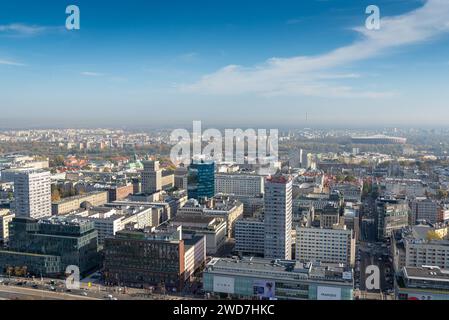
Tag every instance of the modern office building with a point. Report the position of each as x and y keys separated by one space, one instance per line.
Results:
x=107 y=222
x=335 y=245
x=278 y=217
x=22 y=263
x=155 y=258
x=422 y=283
x=250 y=237
x=151 y=177
x=74 y=242
x=266 y=279
x=32 y=193
x=201 y=180
x=239 y=184
x=391 y=214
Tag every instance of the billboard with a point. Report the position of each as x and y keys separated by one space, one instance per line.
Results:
x=328 y=293
x=419 y=297
x=426 y=296
x=223 y=285
x=264 y=289
x=347 y=275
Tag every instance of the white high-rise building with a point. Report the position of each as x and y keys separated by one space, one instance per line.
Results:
x=32 y=193
x=278 y=217
x=151 y=177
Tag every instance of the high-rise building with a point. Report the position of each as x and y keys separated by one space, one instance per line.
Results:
x=201 y=180
x=32 y=193
x=250 y=236
x=278 y=217
x=303 y=158
x=151 y=177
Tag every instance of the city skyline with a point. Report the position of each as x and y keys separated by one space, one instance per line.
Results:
x=154 y=65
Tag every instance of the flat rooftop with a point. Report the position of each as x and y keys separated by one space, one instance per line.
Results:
x=193 y=218
x=426 y=274
x=81 y=196
x=258 y=267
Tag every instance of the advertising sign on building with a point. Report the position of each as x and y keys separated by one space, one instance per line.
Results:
x=328 y=293
x=223 y=285
x=426 y=296
x=264 y=289
x=347 y=275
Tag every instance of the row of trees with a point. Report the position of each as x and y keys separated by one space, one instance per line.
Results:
x=59 y=192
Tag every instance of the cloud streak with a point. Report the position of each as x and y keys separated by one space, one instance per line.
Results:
x=11 y=63
x=91 y=74
x=26 y=30
x=310 y=75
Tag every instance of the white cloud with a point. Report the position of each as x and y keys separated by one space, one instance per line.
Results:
x=306 y=75
x=20 y=29
x=11 y=63
x=91 y=74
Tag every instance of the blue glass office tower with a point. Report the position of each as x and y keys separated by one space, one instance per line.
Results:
x=201 y=180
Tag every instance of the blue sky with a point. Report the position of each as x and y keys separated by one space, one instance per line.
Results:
x=232 y=63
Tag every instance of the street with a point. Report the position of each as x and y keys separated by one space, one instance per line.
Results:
x=378 y=255
x=12 y=288
x=17 y=293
